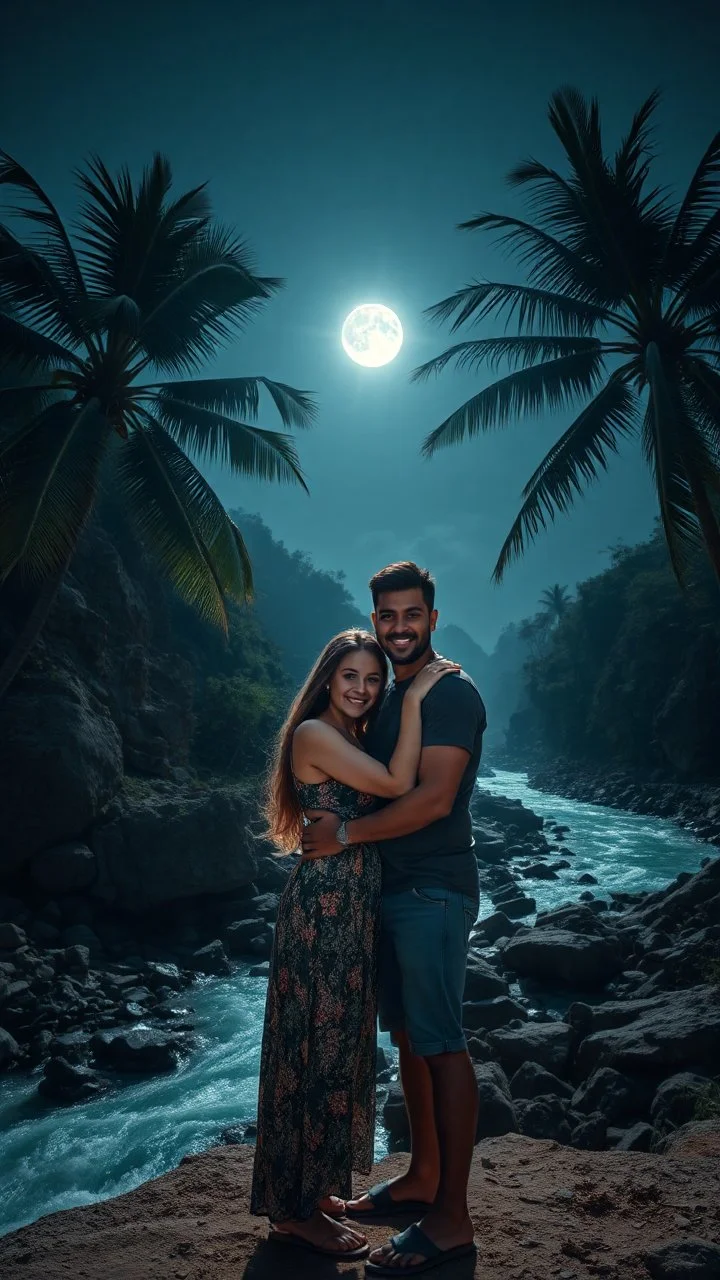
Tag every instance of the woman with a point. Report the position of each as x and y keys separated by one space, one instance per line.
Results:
x=316 y=1105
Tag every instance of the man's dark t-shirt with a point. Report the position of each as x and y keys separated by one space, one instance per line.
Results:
x=441 y=854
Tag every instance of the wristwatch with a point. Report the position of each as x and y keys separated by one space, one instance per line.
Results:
x=341 y=834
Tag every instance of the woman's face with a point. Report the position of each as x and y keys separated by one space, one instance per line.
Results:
x=356 y=684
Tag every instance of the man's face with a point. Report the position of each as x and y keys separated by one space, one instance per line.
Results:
x=403 y=625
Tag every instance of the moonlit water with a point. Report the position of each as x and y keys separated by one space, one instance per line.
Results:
x=54 y=1158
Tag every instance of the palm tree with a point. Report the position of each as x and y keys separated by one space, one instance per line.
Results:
x=554 y=602
x=93 y=326
x=620 y=315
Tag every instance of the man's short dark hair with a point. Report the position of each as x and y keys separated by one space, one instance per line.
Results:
x=403 y=576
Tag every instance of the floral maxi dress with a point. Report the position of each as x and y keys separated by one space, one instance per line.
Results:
x=316 y=1103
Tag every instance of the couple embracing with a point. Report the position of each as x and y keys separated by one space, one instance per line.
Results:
x=376 y=916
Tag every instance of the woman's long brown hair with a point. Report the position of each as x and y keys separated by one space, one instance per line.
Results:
x=283 y=809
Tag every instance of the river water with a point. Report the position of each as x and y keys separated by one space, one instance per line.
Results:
x=53 y=1158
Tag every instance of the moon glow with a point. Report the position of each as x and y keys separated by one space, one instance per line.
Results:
x=372 y=335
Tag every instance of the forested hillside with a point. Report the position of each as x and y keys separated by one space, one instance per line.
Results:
x=630 y=674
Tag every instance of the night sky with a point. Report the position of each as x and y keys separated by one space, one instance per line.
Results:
x=345 y=143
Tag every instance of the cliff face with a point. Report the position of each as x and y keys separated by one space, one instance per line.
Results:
x=96 y=741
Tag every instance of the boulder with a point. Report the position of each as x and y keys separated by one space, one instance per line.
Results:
x=165 y=847
x=496 y=1111
x=505 y=812
x=80 y=940
x=210 y=959
x=687 y=1259
x=481 y=980
x=531 y=1080
x=590 y=1134
x=240 y=932
x=675 y=1033
x=394 y=1113
x=618 y=1097
x=574 y=917
x=142 y=1051
x=539 y=871
x=66 y=868
x=547 y=1043
x=61 y=762
x=11 y=937
x=66 y=1082
x=518 y=907
x=9 y=1050
x=487 y=1015
x=543 y=1117
x=497 y=925
x=676 y=1099
x=638 y=1138
x=561 y=956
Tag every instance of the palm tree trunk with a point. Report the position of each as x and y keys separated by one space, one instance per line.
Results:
x=34 y=624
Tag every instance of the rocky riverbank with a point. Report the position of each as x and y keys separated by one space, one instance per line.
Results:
x=636 y=1054
x=692 y=805
x=540 y=1212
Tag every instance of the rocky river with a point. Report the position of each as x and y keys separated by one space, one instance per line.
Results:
x=579 y=1016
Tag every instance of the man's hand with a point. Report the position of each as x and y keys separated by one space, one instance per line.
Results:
x=319 y=839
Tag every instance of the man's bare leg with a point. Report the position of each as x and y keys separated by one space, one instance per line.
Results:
x=423 y=1174
x=448 y=1223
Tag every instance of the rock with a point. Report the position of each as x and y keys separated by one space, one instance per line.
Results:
x=210 y=959
x=65 y=1082
x=590 y=1134
x=479 y=1049
x=163 y=975
x=394 y=1113
x=586 y=878
x=481 y=981
x=264 y=906
x=539 y=871
x=543 y=1117
x=561 y=956
x=11 y=937
x=618 y=1097
x=531 y=1080
x=699 y=1137
x=43 y=934
x=82 y=936
x=138 y=1050
x=260 y=971
x=547 y=1043
x=676 y=1099
x=684 y=1260
x=61 y=762
x=240 y=932
x=496 y=1111
x=76 y=958
x=9 y=1050
x=518 y=907
x=486 y=1015
x=675 y=1032
x=574 y=917
x=66 y=868
x=638 y=1138
x=497 y=925
x=73 y=1046
x=163 y=848
x=505 y=812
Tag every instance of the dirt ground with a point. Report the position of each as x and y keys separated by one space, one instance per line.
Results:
x=541 y=1212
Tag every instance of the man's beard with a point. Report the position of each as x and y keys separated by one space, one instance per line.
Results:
x=412 y=655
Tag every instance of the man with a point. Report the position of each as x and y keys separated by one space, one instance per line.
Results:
x=430 y=902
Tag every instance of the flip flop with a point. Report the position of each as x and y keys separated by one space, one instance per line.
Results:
x=384 y=1205
x=288 y=1240
x=414 y=1240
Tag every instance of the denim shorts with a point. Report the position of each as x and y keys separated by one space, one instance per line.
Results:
x=423 y=958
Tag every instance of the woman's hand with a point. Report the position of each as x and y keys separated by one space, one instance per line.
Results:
x=426 y=679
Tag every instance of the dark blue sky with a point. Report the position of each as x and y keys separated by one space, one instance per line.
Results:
x=346 y=142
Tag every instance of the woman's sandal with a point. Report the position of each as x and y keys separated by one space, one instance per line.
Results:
x=288 y=1238
x=383 y=1204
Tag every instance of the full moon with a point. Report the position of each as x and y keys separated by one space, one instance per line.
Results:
x=372 y=335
